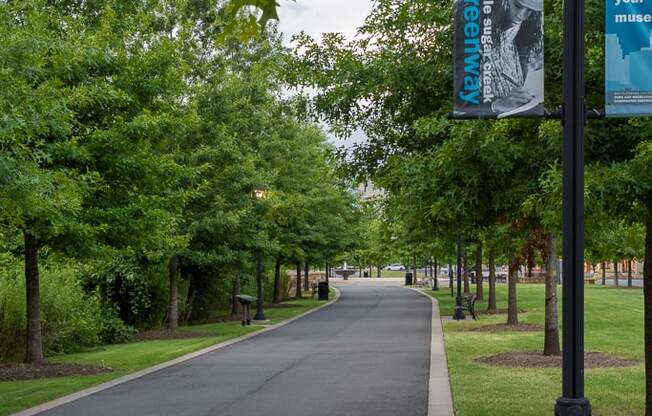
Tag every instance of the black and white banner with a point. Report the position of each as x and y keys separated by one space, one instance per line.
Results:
x=498 y=58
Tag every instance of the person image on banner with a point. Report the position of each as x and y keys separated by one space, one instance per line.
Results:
x=516 y=60
x=511 y=36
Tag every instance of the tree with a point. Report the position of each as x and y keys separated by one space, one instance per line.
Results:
x=478 y=271
x=74 y=58
x=551 y=334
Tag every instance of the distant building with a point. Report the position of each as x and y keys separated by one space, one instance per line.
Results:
x=618 y=67
x=368 y=191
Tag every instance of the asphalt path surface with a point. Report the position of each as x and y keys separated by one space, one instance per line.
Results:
x=367 y=354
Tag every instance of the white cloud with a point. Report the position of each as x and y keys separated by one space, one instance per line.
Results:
x=316 y=17
x=321 y=16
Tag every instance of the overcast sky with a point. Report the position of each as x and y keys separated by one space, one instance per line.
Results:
x=319 y=16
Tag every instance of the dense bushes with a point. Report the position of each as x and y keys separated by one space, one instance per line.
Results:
x=71 y=319
x=136 y=293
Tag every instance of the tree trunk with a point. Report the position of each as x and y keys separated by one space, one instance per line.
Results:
x=465 y=271
x=306 y=277
x=278 y=287
x=604 y=273
x=479 y=293
x=34 y=343
x=450 y=279
x=328 y=273
x=235 y=305
x=616 y=273
x=512 y=307
x=647 y=291
x=492 y=281
x=190 y=300
x=551 y=334
x=629 y=273
x=414 y=269
x=173 y=305
x=298 y=288
x=379 y=269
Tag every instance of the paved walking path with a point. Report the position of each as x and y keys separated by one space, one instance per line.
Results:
x=368 y=354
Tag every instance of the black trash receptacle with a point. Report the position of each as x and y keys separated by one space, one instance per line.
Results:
x=322 y=290
x=408 y=279
x=365 y=274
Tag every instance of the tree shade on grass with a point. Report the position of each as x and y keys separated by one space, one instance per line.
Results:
x=614 y=325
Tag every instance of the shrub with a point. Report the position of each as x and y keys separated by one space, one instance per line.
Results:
x=113 y=329
x=137 y=293
x=71 y=320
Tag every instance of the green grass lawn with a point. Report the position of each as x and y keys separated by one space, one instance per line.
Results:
x=614 y=325
x=127 y=358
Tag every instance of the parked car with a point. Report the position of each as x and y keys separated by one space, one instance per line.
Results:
x=395 y=267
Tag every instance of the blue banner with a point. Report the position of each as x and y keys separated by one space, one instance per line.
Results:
x=628 y=57
x=498 y=58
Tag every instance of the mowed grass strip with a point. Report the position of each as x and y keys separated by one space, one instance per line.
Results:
x=613 y=325
x=134 y=356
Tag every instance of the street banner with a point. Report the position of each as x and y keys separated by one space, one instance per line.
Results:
x=628 y=58
x=498 y=58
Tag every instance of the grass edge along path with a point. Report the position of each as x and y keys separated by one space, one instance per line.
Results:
x=132 y=357
x=613 y=325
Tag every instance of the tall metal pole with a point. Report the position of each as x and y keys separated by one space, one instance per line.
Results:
x=459 y=308
x=260 y=316
x=433 y=272
x=573 y=402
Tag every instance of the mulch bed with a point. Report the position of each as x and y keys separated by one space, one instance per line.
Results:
x=496 y=311
x=165 y=334
x=507 y=328
x=15 y=372
x=536 y=359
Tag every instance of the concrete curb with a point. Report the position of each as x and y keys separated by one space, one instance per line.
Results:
x=142 y=373
x=440 y=398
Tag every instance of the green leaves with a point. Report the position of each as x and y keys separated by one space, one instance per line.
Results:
x=268 y=8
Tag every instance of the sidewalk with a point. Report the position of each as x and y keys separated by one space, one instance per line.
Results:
x=440 y=398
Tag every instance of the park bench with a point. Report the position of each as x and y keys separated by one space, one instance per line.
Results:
x=469 y=305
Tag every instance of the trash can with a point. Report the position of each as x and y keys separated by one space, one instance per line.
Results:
x=322 y=290
x=366 y=274
x=408 y=279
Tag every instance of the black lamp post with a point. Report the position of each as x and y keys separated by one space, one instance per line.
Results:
x=459 y=308
x=260 y=315
x=573 y=402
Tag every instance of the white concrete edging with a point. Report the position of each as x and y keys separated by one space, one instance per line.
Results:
x=440 y=398
x=144 y=372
